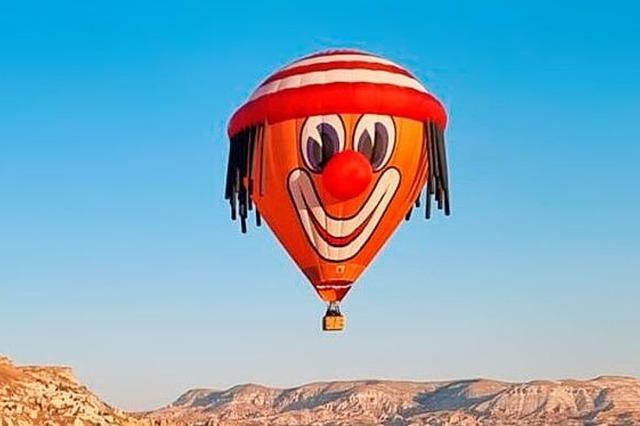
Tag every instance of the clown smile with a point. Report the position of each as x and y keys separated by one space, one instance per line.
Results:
x=339 y=239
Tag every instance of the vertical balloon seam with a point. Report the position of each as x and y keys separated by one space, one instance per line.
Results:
x=422 y=169
x=260 y=140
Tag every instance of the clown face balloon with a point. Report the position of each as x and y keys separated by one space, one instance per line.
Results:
x=333 y=151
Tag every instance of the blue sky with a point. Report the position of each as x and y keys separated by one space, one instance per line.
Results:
x=117 y=255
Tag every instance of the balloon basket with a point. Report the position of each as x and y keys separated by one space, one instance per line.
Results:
x=333 y=320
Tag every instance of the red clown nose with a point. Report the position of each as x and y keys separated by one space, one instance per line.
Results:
x=347 y=174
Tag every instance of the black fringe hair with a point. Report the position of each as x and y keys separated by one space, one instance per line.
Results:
x=437 y=186
x=240 y=177
x=240 y=185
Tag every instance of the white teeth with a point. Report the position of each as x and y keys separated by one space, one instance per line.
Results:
x=307 y=203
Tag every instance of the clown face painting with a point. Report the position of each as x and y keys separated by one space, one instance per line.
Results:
x=333 y=151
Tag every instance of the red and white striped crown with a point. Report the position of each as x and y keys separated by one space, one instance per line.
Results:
x=339 y=81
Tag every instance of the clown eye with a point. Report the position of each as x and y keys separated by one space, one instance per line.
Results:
x=322 y=137
x=375 y=138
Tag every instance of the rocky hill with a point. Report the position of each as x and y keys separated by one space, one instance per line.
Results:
x=51 y=396
x=602 y=401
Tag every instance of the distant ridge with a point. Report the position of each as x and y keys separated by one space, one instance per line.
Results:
x=51 y=396
x=601 y=401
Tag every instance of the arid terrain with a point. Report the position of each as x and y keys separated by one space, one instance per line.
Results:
x=48 y=396
x=51 y=396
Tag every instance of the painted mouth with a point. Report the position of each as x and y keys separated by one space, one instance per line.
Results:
x=338 y=239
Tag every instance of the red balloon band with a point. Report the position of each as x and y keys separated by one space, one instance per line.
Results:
x=344 y=98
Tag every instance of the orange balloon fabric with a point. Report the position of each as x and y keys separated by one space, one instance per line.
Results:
x=333 y=152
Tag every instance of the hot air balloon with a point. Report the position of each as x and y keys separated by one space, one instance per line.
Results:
x=333 y=152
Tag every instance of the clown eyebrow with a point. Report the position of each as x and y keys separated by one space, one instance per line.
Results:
x=240 y=180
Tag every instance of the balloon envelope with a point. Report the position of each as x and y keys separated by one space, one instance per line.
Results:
x=333 y=152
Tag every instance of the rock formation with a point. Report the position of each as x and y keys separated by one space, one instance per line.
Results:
x=51 y=396
x=602 y=401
